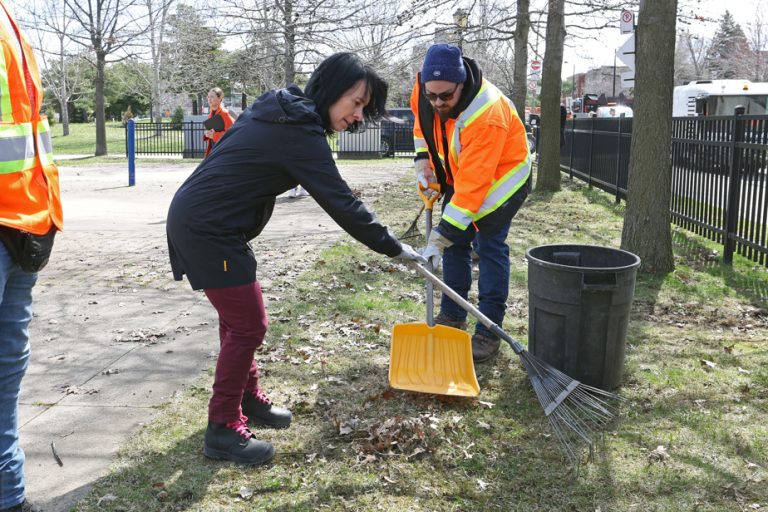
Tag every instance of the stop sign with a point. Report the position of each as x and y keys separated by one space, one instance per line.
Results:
x=535 y=65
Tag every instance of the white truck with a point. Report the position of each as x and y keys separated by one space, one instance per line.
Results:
x=719 y=98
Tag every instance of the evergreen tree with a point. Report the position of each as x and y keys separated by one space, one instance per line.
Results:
x=194 y=49
x=729 y=50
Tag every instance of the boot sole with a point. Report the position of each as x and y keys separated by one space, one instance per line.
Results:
x=222 y=455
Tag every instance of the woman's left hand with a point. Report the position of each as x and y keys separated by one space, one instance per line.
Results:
x=408 y=254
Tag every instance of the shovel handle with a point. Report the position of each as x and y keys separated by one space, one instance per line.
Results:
x=469 y=308
x=429 y=201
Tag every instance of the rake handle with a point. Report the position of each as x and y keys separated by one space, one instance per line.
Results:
x=458 y=299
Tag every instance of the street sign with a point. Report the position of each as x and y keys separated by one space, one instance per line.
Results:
x=535 y=75
x=627 y=23
x=532 y=85
x=626 y=53
x=628 y=80
x=535 y=65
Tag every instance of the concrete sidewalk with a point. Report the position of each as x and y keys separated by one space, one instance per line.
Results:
x=113 y=335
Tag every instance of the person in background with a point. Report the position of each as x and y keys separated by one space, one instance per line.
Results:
x=469 y=138
x=30 y=215
x=276 y=144
x=215 y=108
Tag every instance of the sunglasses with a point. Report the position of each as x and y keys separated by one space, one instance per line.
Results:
x=443 y=96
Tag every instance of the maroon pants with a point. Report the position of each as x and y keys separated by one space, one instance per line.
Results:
x=242 y=326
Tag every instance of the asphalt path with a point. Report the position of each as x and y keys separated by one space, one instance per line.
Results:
x=113 y=336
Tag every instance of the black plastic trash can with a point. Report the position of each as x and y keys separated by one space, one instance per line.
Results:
x=579 y=299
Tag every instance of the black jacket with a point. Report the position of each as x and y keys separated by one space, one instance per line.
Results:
x=275 y=145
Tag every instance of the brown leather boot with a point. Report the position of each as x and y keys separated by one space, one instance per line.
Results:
x=449 y=321
x=484 y=347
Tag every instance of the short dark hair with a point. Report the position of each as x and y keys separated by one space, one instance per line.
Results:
x=335 y=76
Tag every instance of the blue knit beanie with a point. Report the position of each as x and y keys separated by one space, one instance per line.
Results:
x=443 y=62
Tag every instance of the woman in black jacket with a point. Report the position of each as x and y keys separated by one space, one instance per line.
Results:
x=277 y=144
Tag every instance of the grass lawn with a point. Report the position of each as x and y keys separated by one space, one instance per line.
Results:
x=82 y=139
x=693 y=435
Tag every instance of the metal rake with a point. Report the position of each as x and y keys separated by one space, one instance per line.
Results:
x=574 y=411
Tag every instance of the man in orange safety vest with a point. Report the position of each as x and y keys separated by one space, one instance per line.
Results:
x=30 y=215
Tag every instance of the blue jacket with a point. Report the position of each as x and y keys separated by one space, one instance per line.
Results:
x=273 y=146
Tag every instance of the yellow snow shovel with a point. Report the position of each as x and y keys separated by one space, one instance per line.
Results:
x=432 y=358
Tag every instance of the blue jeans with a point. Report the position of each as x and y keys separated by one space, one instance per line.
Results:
x=15 y=314
x=493 y=281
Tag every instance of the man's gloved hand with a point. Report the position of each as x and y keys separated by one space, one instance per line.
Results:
x=425 y=175
x=409 y=254
x=433 y=252
x=433 y=256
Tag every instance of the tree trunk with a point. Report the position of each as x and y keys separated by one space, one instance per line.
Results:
x=101 y=130
x=156 y=106
x=647 y=230
x=289 y=66
x=519 y=86
x=548 y=178
x=64 y=117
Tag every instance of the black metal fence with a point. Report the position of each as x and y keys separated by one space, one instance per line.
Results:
x=596 y=150
x=719 y=174
x=171 y=139
x=385 y=140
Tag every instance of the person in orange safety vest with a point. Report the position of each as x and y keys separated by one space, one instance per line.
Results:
x=469 y=138
x=211 y=137
x=30 y=215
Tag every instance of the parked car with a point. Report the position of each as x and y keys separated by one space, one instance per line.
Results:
x=397 y=135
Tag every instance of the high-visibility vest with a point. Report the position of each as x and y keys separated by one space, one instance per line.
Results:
x=481 y=182
x=29 y=181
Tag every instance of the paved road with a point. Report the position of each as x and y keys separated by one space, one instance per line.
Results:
x=113 y=335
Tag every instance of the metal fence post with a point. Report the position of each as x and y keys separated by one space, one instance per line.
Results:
x=734 y=184
x=618 y=158
x=591 y=144
x=130 y=140
x=573 y=143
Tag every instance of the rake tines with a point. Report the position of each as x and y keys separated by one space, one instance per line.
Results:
x=413 y=230
x=574 y=410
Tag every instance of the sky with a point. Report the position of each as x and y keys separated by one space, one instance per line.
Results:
x=586 y=55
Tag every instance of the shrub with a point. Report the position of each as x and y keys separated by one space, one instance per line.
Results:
x=177 y=118
x=50 y=112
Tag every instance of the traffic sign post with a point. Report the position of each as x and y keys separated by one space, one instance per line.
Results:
x=627 y=22
x=532 y=85
x=535 y=73
x=626 y=53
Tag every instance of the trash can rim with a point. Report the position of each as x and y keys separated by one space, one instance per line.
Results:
x=549 y=264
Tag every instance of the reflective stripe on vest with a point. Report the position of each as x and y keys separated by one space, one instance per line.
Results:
x=486 y=97
x=498 y=194
x=44 y=142
x=501 y=190
x=6 y=112
x=17 y=146
x=420 y=145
